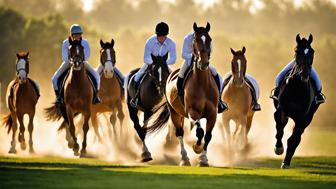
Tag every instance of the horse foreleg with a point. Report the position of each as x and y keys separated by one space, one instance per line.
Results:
x=21 y=132
x=227 y=133
x=95 y=126
x=72 y=130
x=113 y=120
x=281 y=121
x=203 y=159
x=198 y=148
x=121 y=116
x=12 y=149
x=30 y=130
x=85 y=130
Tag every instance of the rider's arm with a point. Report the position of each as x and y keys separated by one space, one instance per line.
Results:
x=148 y=51
x=87 y=51
x=65 y=51
x=172 y=53
x=187 y=47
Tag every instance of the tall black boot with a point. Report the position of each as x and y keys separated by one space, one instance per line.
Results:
x=59 y=99
x=135 y=101
x=180 y=90
x=256 y=105
x=222 y=106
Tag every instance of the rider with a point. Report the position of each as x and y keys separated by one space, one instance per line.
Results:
x=158 y=45
x=319 y=98
x=187 y=52
x=76 y=32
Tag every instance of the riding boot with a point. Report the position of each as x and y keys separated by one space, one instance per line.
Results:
x=319 y=98
x=180 y=90
x=222 y=106
x=256 y=105
x=59 y=99
x=275 y=93
x=136 y=100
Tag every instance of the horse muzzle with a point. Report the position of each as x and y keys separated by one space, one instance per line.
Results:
x=108 y=74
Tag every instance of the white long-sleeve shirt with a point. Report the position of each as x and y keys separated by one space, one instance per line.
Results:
x=65 y=50
x=187 y=49
x=153 y=46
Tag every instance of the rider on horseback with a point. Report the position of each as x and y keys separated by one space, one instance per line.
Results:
x=187 y=53
x=157 y=45
x=76 y=34
x=319 y=98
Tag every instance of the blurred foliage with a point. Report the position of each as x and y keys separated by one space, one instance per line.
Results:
x=40 y=26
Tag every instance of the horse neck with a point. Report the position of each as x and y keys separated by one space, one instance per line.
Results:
x=203 y=76
x=78 y=76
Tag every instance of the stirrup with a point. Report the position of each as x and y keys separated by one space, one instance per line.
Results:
x=222 y=107
x=134 y=102
x=320 y=98
x=96 y=100
x=256 y=107
x=273 y=96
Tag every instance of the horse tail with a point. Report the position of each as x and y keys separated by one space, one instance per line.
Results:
x=7 y=121
x=161 y=120
x=54 y=112
x=62 y=126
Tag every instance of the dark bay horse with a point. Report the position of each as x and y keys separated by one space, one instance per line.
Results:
x=237 y=94
x=151 y=94
x=111 y=88
x=78 y=93
x=296 y=99
x=22 y=101
x=201 y=98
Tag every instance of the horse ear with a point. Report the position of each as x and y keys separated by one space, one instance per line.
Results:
x=195 y=27
x=207 y=27
x=102 y=44
x=18 y=55
x=27 y=54
x=153 y=58
x=112 y=42
x=233 y=52
x=165 y=57
x=244 y=50
x=298 y=38
x=310 y=39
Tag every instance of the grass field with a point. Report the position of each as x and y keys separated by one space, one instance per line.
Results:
x=50 y=172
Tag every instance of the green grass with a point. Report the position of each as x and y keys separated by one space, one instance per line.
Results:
x=308 y=172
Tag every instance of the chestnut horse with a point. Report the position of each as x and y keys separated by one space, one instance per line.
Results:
x=78 y=93
x=201 y=98
x=237 y=94
x=21 y=99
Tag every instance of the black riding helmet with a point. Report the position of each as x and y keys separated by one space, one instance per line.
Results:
x=162 y=29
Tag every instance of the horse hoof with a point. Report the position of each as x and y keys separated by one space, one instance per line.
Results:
x=23 y=146
x=70 y=145
x=31 y=151
x=198 y=148
x=185 y=163
x=203 y=164
x=279 y=151
x=12 y=151
x=146 y=156
x=83 y=155
x=284 y=166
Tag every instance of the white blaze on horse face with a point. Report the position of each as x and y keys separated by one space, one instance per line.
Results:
x=77 y=50
x=306 y=51
x=239 y=66
x=21 y=69
x=160 y=74
x=203 y=39
x=108 y=68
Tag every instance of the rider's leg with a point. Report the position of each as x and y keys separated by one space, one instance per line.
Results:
x=65 y=66
x=137 y=78
x=89 y=68
x=222 y=106
x=254 y=89
x=320 y=98
x=183 y=70
x=279 y=78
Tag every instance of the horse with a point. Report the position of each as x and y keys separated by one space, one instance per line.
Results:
x=201 y=98
x=151 y=95
x=21 y=99
x=237 y=94
x=296 y=100
x=111 y=88
x=78 y=93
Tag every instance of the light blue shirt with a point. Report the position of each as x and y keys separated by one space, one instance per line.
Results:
x=65 y=50
x=187 y=50
x=153 y=46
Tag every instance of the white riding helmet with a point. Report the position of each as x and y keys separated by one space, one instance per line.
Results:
x=75 y=29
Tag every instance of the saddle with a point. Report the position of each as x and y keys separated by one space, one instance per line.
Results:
x=11 y=93
x=249 y=84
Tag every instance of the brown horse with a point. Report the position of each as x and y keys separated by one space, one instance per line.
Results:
x=78 y=93
x=21 y=99
x=201 y=98
x=237 y=94
x=111 y=90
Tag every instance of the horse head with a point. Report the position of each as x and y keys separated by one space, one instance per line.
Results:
x=76 y=54
x=238 y=66
x=159 y=71
x=201 y=46
x=107 y=58
x=304 y=56
x=22 y=66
